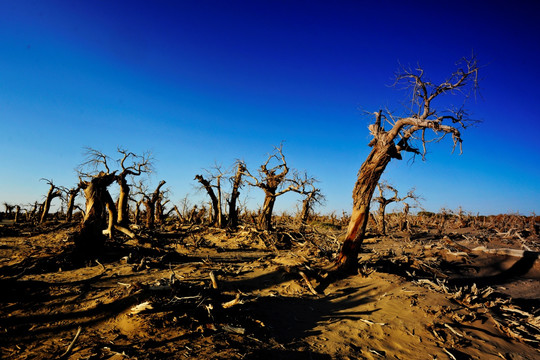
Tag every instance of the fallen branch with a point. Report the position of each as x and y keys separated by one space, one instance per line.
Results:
x=70 y=347
x=213 y=279
x=303 y=275
x=233 y=302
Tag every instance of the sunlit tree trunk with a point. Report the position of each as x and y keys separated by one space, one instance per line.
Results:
x=53 y=193
x=265 y=218
x=368 y=177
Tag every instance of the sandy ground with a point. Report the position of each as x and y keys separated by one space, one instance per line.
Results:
x=419 y=298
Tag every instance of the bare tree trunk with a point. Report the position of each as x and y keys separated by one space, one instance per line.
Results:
x=382 y=219
x=32 y=215
x=71 y=203
x=123 y=200
x=99 y=203
x=306 y=208
x=150 y=211
x=265 y=218
x=233 y=213
x=137 y=214
x=150 y=204
x=368 y=177
x=216 y=215
x=53 y=193
x=17 y=213
x=219 y=216
x=405 y=220
x=179 y=214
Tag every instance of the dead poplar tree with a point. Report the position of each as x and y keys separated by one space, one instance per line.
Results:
x=404 y=219
x=312 y=196
x=150 y=201
x=422 y=122
x=160 y=213
x=17 y=214
x=32 y=216
x=70 y=196
x=9 y=208
x=100 y=213
x=131 y=165
x=217 y=216
x=232 y=221
x=274 y=182
x=53 y=192
x=384 y=201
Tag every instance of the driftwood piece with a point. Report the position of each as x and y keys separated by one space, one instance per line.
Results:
x=70 y=347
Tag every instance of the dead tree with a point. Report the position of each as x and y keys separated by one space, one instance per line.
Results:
x=160 y=213
x=137 y=212
x=70 y=196
x=232 y=221
x=312 y=196
x=274 y=182
x=150 y=202
x=100 y=213
x=32 y=216
x=404 y=220
x=385 y=201
x=17 y=214
x=422 y=122
x=217 y=217
x=9 y=208
x=137 y=166
x=54 y=192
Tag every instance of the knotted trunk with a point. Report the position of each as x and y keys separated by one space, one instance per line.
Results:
x=368 y=177
x=265 y=218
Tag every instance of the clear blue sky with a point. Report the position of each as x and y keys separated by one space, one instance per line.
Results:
x=204 y=82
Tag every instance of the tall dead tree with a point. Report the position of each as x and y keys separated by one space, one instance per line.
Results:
x=132 y=165
x=53 y=192
x=422 y=122
x=217 y=218
x=232 y=221
x=274 y=182
x=383 y=200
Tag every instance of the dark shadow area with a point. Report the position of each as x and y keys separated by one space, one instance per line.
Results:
x=518 y=269
x=275 y=354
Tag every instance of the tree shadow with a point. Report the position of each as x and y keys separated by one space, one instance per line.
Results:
x=518 y=269
x=291 y=319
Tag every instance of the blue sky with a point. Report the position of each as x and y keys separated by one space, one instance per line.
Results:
x=204 y=82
